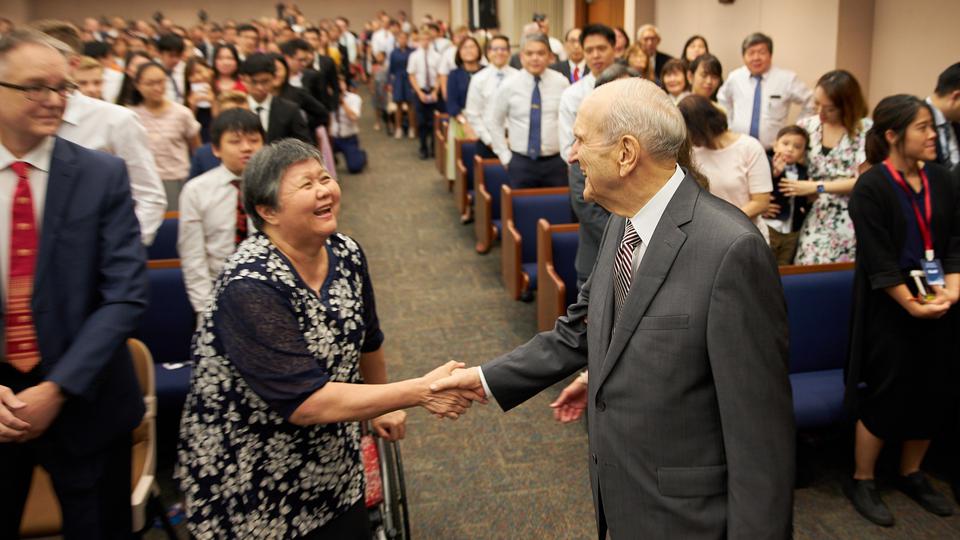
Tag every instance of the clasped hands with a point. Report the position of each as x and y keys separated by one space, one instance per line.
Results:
x=26 y=415
x=451 y=389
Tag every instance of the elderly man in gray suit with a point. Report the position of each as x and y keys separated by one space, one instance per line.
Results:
x=689 y=405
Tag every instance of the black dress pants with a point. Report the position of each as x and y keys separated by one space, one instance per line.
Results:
x=524 y=172
x=93 y=490
x=425 y=124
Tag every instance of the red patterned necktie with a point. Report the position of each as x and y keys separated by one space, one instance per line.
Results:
x=576 y=73
x=22 y=350
x=241 y=230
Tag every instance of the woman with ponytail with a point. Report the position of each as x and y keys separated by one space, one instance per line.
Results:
x=907 y=223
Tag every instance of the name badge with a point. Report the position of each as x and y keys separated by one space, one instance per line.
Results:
x=933 y=271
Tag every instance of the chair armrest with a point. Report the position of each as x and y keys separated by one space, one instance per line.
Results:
x=483 y=223
x=510 y=257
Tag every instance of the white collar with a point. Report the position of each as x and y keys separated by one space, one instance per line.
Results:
x=646 y=220
x=266 y=103
x=75 y=103
x=38 y=158
x=938 y=118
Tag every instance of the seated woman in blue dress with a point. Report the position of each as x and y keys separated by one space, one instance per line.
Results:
x=403 y=95
x=288 y=358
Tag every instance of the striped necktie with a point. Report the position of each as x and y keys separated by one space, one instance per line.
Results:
x=240 y=232
x=22 y=349
x=623 y=267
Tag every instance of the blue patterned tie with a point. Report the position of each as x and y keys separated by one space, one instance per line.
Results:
x=755 y=118
x=533 y=140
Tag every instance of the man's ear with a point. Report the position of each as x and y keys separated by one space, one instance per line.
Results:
x=628 y=155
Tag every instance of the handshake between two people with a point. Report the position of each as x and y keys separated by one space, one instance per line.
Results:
x=454 y=388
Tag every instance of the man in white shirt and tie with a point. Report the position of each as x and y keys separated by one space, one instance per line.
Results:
x=529 y=103
x=422 y=69
x=598 y=46
x=170 y=49
x=212 y=217
x=575 y=66
x=483 y=86
x=757 y=96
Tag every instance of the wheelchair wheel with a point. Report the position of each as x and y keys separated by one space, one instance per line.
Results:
x=394 y=511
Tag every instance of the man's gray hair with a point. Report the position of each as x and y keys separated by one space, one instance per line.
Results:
x=644 y=110
x=27 y=36
x=538 y=37
x=615 y=72
x=529 y=29
x=262 y=175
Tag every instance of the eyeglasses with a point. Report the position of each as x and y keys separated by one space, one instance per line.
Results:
x=41 y=92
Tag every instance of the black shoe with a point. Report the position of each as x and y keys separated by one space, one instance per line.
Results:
x=527 y=296
x=423 y=154
x=917 y=487
x=866 y=499
x=956 y=490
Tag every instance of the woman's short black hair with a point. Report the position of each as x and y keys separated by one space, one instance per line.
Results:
x=231 y=120
x=711 y=65
x=705 y=122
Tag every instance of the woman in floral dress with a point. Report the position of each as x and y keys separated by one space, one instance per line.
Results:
x=834 y=159
x=270 y=439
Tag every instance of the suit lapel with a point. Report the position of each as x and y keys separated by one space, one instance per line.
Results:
x=602 y=290
x=658 y=258
x=60 y=186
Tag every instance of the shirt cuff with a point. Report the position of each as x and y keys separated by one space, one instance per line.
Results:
x=486 y=388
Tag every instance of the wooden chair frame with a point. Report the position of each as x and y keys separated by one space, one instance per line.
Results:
x=793 y=269
x=460 y=196
x=551 y=290
x=440 y=141
x=483 y=227
x=511 y=255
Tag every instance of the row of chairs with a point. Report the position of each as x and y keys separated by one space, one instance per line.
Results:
x=539 y=239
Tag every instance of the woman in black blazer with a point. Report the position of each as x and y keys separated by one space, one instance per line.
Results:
x=907 y=218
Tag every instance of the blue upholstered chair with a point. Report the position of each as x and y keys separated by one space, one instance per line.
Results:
x=164 y=245
x=520 y=210
x=463 y=184
x=490 y=176
x=167 y=329
x=819 y=301
x=557 y=276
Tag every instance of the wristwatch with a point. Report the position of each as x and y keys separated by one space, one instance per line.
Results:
x=821 y=188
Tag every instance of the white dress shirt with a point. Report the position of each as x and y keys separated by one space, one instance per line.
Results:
x=206 y=233
x=645 y=223
x=348 y=40
x=511 y=104
x=779 y=89
x=39 y=160
x=112 y=83
x=116 y=130
x=176 y=83
x=425 y=73
x=382 y=41
x=569 y=105
x=264 y=114
x=483 y=86
x=946 y=138
x=340 y=124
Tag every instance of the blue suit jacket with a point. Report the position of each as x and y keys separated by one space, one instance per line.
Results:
x=90 y=288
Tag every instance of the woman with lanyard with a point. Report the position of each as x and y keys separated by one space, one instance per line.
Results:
x=903 y=344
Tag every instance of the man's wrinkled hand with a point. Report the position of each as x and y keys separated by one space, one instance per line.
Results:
x=12 y=428
x=572 y=401
x=43 y=403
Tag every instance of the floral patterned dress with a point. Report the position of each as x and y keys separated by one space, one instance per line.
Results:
x=827 y=233
x=264 y=345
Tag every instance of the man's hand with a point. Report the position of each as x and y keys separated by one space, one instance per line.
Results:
x=571 y=402
x=443 y=402
x=43 y=403
x=464 y=381
x=391 y=426
x=12 y=429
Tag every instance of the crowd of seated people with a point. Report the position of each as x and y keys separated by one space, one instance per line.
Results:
x=186 y=109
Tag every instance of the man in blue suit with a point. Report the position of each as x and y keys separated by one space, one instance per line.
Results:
x=73 y=287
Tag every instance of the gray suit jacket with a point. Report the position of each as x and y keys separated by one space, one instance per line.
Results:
x=690 y=410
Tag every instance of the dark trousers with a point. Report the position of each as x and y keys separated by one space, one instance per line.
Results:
x=350 y=148
x=524 y=172
x=354 y=524
x=485 y=151
x=93 y=490
x=425 y=124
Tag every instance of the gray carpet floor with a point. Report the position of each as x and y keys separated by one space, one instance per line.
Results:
x=518 y=475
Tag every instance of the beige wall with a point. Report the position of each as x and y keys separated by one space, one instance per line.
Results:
x=17 y=11
x=790 y=23
x=440 y=9
x=184 y=11
x=912 y=43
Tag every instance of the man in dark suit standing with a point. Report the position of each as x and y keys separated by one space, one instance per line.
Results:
x=575 y=66
x=74 y=286
x=320 y=77
x=945 y=105
x=281 y=118
x=649 y=39
x=690 y=413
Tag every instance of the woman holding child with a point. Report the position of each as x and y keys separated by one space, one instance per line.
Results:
x=834 y=159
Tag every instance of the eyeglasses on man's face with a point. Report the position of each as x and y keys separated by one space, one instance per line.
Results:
x=41 y=92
